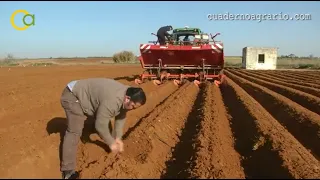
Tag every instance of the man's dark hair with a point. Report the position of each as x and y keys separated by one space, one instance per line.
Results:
x=136 y=95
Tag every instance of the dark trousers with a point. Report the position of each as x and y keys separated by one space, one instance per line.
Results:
x=75 y=123
x=161 y=39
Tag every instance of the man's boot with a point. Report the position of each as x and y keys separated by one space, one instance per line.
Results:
x=70 y=174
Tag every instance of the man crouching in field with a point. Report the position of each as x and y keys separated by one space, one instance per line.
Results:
x=104 y=99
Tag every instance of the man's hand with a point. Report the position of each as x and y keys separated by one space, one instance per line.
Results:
x=114 y=147
x=120 y=145
x=117 y=146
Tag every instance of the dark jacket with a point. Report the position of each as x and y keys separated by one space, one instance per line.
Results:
x=163 y=31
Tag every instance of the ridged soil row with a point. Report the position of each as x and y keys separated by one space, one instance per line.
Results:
x=304 y=74
x=276 y=153
x=282 y=73
x=304 y=99
x=299 y=76
x=150 y=145
x=216 y=156
x=285 y=78
x=306 y=89
x=303 y=124
x=94 y=148
x=314 y=73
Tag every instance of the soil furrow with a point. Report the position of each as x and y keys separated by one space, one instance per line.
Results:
x=299 y=77
x=287 y=151
x=300 y=122
x=310 y=90
x=303 y=75
x=284 y=78
x=216 y=156
x=183 y=153
x=304 y=99
x=150 y=145
x=51 y=133
x=156 y=95
x=248 y=137
x=244 y=130
x=313 y=74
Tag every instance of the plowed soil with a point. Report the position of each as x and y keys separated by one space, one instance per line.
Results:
x=260 y=124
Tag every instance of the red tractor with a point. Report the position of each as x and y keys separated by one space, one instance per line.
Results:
x=188 y=55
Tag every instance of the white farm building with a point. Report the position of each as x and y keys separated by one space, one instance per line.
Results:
x=259 y=58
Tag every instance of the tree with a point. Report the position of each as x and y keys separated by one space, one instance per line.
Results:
x=292 y=55
x=8 y=59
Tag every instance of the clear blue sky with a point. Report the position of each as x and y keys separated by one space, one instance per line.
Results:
x=103 y=28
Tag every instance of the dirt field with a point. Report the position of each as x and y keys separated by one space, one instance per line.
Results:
x=263 y=124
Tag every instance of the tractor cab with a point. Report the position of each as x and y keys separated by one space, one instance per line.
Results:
x=188 y=36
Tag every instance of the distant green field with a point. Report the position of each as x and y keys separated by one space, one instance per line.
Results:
x=234 y=61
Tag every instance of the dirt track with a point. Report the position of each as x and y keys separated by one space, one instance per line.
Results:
x=256 y=126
